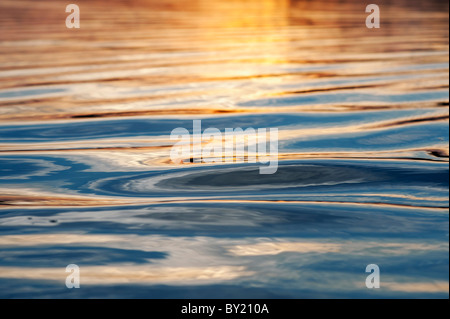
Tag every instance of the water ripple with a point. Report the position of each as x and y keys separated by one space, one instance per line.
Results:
x=86 y=175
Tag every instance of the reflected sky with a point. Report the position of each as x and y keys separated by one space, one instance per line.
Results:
x=86 y=176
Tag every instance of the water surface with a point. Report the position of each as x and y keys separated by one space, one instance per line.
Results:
x=86 y=175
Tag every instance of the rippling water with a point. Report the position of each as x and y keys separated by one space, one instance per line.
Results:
x=86 y=176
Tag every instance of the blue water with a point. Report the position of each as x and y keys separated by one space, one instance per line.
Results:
x=86 y=176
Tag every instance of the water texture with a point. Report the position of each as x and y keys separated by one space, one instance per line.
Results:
x=86 y=176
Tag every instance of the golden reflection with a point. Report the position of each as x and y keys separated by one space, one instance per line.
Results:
x=274 y=248
x=226 y=52
x=416 y=287
x=135 y=274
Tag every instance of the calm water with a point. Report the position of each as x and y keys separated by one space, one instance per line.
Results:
x=86 y=176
